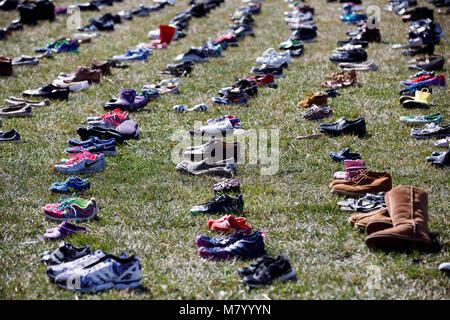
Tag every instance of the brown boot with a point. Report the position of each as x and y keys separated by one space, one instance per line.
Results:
x=408 y=208
x=379 y=221
x=364 y=182
x=355 y=217
x=317 y=98
x=5 y=66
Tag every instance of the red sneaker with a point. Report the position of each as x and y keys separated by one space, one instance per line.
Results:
x=228 y=223
x=267 y=80
x=115 y=117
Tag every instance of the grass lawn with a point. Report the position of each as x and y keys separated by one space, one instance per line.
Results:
x=144 y=203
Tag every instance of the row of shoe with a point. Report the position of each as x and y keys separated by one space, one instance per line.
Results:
x=424 y=33
x=79 y=269
x=303 y=27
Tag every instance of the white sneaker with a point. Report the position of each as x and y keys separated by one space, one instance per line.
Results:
x=274 y=58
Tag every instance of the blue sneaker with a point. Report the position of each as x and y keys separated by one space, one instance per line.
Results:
x=72 y=184
x=250 y=246
x=106 y=149
x=92 y=141
x=210 y=242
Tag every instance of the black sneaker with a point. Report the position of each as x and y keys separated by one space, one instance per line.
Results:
x=223 y=204
x=278 y=270
x=357 y=55
x=255 y=265
x=100 y=132
x=265 y=69
x=65 y=253
x=249 y=87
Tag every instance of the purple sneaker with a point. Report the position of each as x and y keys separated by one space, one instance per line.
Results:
x=209 y=242
x=250 y=246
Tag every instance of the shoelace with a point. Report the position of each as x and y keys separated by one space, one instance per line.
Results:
x=65 y=201
x=421 y=78
x=79 y=156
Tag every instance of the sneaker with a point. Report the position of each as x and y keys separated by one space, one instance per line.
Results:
x=90 y=142
x=81 y=163
x=228 y=223
x=220 y=205
x=317 y=113
x=71 y=209
x=72 y=184
x=107 y=273
x=267 y=273
x=255 y=265
x=10 y=136
x=111 y=119
x=432 y=118
x=275 y=70
x=56 y=270
x=250 y=246
x=271 y=57
x=210 y=242
x=234 y=96
x=226 y=185
x=193 y=55
x=226 y=168
x=65 y=252
x=107 y=150
x=344 y=154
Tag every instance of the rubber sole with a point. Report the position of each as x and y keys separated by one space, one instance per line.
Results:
x=394 y=241
x=71 y=219
x=106 y=286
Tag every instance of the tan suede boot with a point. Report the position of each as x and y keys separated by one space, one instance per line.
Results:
x=408 y=208
x=365 y=182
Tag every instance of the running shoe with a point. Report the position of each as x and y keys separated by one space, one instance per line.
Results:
x=266 y=274
x=65 y=252
x=107 y=273
x=91 y=142
x=228 y=223
x=71 y=184
x=81 y=163
x=221 y=204
x=251 y=246
x=107 y=150
x=210 y=242
x=111 y=119
x=72 y=208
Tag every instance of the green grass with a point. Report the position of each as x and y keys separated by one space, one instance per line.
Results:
x=144 y=202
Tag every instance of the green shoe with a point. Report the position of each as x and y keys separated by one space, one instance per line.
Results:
x=432 y=118
x=291 y=45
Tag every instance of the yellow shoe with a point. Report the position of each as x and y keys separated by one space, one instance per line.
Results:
x=422 y=99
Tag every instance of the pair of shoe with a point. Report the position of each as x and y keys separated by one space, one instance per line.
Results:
x=71 y=208
x=344 y=126
x=422 y=119
x=220 y=126
x=193 y=55
x=20 y=110
x=65 y=252
x=180 y=69
x=403 y=224
x=165 y=86
x=231 y=96
x=97 y=271
x=241 y=245
x=431 y=131
x=266 y=270
x=222 y=204
x=81 y=162
x=368 y=65
x=341 y=79
x=134 y=54
x=72 y=184
x=184 y=108
x=363 y=182
x=228 y=223
x=352 y=168
x=271 y=57
x=317 y=113
x=314 y=98
x=226 y=168
x=247 y=85
x=214 y=150
x=352 y=55
x=127 y=100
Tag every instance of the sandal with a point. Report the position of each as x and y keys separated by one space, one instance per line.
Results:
x=65 y=229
